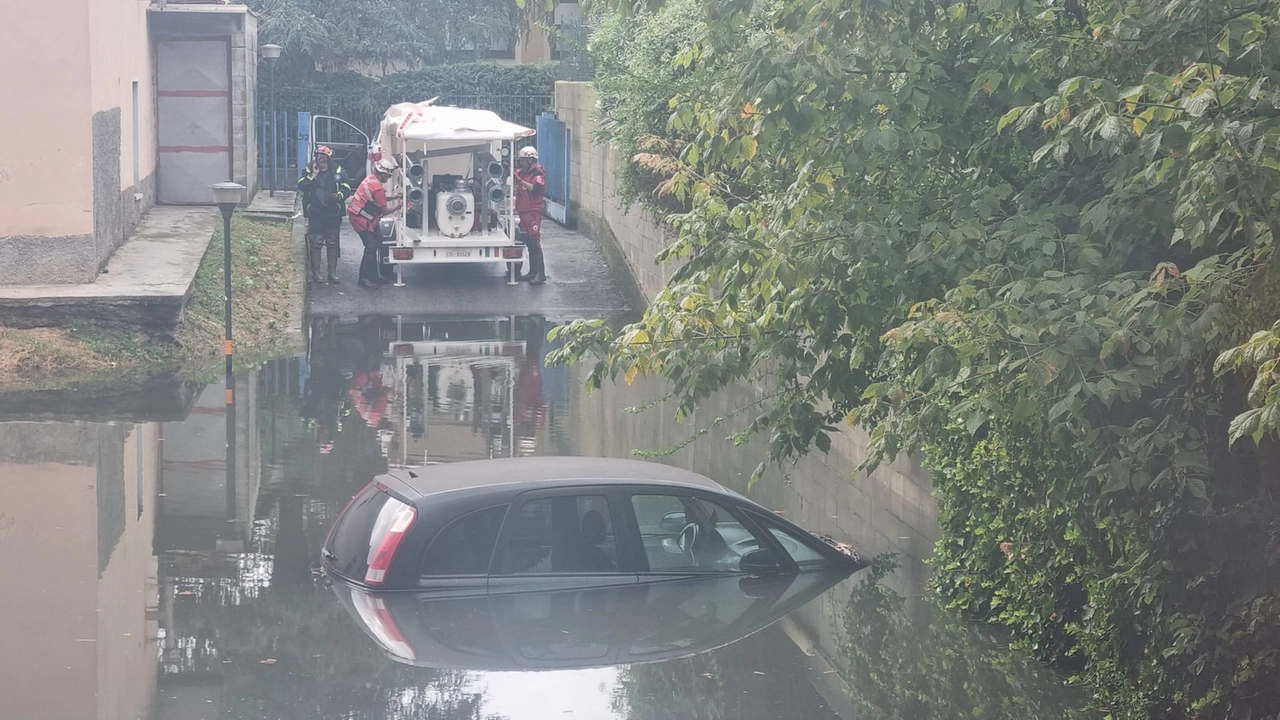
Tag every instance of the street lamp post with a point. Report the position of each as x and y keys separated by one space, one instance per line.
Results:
x=228 y=195
x=271 y=53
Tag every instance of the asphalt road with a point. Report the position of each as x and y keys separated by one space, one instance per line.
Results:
x=581 y=284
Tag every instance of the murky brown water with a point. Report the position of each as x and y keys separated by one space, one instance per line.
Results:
x=138 y=583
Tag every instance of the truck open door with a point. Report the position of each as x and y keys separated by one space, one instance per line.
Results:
x=350 y=145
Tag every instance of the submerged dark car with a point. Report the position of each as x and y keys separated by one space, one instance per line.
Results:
x=522 y=524
x=574 y=629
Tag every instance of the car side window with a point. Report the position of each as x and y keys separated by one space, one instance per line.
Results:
x=569 y=534
x=682 y=533
x=800 y=549
x=465 y=546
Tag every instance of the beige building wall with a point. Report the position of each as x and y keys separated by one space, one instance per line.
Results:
x=49 y=667
x=120 y=55
x=533 y=48
x=77 y=636
x=67 y=182
x=77 y=161
x=43 y=132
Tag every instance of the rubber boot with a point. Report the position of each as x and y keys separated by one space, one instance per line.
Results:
x=538 y=269
x=384 y=272
x=332 y=256
x=313 y=262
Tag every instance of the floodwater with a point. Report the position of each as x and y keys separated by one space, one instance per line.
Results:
x=140 y=584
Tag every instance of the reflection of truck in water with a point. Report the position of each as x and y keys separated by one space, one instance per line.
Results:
x=454 y=391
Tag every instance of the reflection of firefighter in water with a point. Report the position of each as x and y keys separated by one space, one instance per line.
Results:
x=369 y=396
x=531 y=409
x=326 y=386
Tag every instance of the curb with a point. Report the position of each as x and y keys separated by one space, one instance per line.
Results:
x=298 y=268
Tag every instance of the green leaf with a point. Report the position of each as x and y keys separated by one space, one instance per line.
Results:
x=976 y=421
x=1197 y=488
x=1011 y=116
x=1061 y=407
x=1113 y=129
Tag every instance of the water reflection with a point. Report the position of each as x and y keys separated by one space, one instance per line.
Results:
x=140 y=584
x=598 y=627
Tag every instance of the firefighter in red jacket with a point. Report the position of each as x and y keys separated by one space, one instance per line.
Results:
x=531 y=186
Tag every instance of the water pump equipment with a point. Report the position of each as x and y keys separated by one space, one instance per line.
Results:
x=455 y=211
x=416 y=194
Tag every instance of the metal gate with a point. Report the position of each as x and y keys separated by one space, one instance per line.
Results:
x=193 y=107
x=553 y=153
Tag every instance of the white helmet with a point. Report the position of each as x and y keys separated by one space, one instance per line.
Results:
x=529 y=151
x=386 y=165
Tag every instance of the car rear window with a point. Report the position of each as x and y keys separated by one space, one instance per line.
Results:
x=350 y=544
x=465 y=546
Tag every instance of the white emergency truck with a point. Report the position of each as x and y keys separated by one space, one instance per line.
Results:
x=456 y=172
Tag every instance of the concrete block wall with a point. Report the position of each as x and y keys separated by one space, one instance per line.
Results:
x=633 y=235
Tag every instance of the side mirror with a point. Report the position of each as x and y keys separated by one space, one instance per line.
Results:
x=673 y=522
x=760 y=562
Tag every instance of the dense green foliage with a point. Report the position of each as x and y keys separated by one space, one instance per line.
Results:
x=513 y=91
x=298 y=89
x=635 y=81
x=1016 y=235
x=388 y=35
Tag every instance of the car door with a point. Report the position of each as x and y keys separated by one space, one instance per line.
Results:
x=350 y=145
x=458 y=559
x=563 y=539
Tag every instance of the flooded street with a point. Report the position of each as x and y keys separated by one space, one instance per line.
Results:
x=139 y=584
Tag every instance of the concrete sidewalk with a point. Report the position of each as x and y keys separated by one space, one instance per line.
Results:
x=280 y=208
x=145 y=286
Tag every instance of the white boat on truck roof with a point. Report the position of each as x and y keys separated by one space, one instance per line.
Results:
x=456 y=172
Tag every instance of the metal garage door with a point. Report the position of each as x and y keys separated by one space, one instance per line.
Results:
x=193 y=107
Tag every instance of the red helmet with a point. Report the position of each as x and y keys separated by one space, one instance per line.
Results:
x=324 y=150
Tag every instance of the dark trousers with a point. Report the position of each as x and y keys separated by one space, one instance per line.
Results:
x=369 y=262
x=530 y=231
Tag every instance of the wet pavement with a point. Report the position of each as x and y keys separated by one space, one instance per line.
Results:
x=580 y=284
x=139 y=584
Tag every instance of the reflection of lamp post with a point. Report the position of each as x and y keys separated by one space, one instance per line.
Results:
x=271 y=53
x=228 y=195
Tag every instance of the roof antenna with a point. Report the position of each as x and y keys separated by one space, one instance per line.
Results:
x=413 y=475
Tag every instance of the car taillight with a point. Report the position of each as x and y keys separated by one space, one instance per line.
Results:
x=512 y=253
x=382 y=624
x=402 y=349
x=393 y=523
x=402 y=253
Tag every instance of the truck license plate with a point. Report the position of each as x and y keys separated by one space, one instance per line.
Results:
x=457 y=253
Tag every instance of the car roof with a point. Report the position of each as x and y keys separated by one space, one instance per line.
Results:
x=536 y=472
